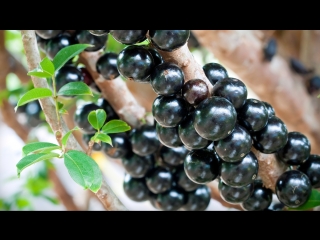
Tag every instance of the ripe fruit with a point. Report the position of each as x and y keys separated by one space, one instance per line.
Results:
x=242 y=173
x=157 y=58
x=195 y=91
x=183 y=181
x=54 y=45
x=168 y=136
x=232 y=89
x=215 y=118
x=253 y=115
x=313 y=84
x=214 y=72
x=81 y=117
x=137 y=166
x=272 y=137
x=98 y=42
x=99 y=32
x=159 y=180
x=121 y=146
x=169 y=111
x=235 y=146
x=171 y=200
x=270 y=109
x=106 y=65
x=135 y=63
x=311 y=167
x=135 y=188
x=235 y=195
x=42 y=43
x=296 y=150
x=198 y=200
x=270 y=49
x=68 y=74
x=173 y=156
x=169 y=40
x=48 y=34
x=167 y=79
x=293 y=188
x=260 y=198
x=202 y=166
x=129 y=37
x=298 y=67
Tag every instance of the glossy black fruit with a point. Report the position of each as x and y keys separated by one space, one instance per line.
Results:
x=169 y=111
x=121 y=146
x=240 y=174
x=189 y=136
x=235 y=146
x=138 y=166
x=270 y=109
x=296 y=150
x=270 y=49
x=54 y=45
x=195 y=91
x=276 y=207
x=81 y=117
x=298 y=67
x=171 y=200
x=202 y=166
x=129 y=37
x=135 y=63
x=272 y=137
x=260 y=198
x=167 y=79
x=235 y=195
x=253 y=115
x=88 y=79
x=157 y=58
x=293 y=188
x=107 y=67
x=169 y=40
x=159 y=180
x=168 y=136
x=98 y=42
x=144 y=140
x=173 y=156
x=215 y=118
x=313 y=84
x=99 y=32
x=48 y=34
x=183 y=181
x=311 y=167
x=135 y=188
x=68 y=74
x=198 y=200
x=86 y=139
x=214 y=72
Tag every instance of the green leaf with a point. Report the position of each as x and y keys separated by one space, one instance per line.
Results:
x=313 y=201
x=37 y=185
x=37 y=72
x=32 y=95
x=66 y=53
x=54 y=201
x=63 y=111
x=22 y=203
x=82 y=169
x=115 y=126
x=75 y=88
x=60 y=105
x=97 y=118
x=38 y=147
x=47 y=66
x=33 y=158
x=104 y=138
x=65 y=138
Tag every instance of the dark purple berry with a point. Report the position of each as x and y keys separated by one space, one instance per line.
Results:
x=138 y=166
x=68 y=74
x=135 y=188
x=48 y=34
x=54 y=45
x=168 y=136
x=298 y=67
x=313 y=84
x=81 y=117
x=157 y=58
x=99 y=32
x=195 y=91
x=183 y=181
x=311 y=167
x=129 y=37
x=270 y=49
x=169 y=40
x=106 y=66
x=105 y=105
x=121 y=146
x=214 y=72
x=171 y=200
x=235 y=195
x=270 y=109
x=159 y=180
x=173 y=156
x=198 y=200
x=98 y=42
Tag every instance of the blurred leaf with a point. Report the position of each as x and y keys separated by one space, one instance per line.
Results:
x=97 y=118
x=38 y=147
x=37 y=185
x=55 y=201
x=115 y=126
x=75 y=88
x=22 y=203
x=32 y=95
x=65 y=138
x=104 y=138
x=47 y=66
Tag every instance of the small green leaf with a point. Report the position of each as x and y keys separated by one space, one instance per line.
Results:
x=97 y=176
x=104 y=138
x=33 y=158
x=79 y=168
x=75 y=88
x=313 y=201
x=38 y=147
x=97 y=118
x=47 y=66
x=65 y=138
x=54 y=201
x=60 y=105
x=22 y=203
x=37 y=72
x=63 y=111
x=115 y=126
x=32 y=95
x=66 y=53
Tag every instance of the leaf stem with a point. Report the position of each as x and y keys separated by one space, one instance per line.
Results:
x=55 y=97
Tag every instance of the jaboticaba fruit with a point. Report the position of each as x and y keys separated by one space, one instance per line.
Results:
x=202 y=166
x=183 y=181
x=168 y=136
x=311 y=167
x=48 y=34
x=235 y=195
x=214 y=72
x=169 y=40
x=106 y=66
x=68 y=74
x=270 y=109
x=129 y=37
x=293 y=188
x=135 y=63
x=215 y=118
x=159 y=180
x=54 y=45
x=81 y=117
x=121 y=146
x=195 y=91
x=173 y=156
x=296 y=150
x=198 y=200
x=98 y=42
x=138 y=166
x=171 y=200
x=135 y=188
x=99 y=32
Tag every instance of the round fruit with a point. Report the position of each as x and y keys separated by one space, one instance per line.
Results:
x=99 y=32
x=215 y=118
x=240 y=174
x=270 y=49
x=121 y=146
x=313 y=84
x=169 y=40
x=173 y=156
x=86 y=139
x=88 y=79
x=81 y=117
x=168 y=136
x=157 y=58
x=183 y=181
x=235 y=195
x=232 y=89
x=135 y=63
x=129 y=37
x=171 y=200
x=235 y=146
x=259 y=200
x=195 y=91
x=54 y=45
x=48 y=34
x=167 y=79
x=138 y=166
x=68 y=74
x=202 y=166
x=159 y=180
x=293 y=188
x=106 y=65
x=198 y=200
x=169 y=111
x=253 y=115
x=214 y=72
x=98 y=42
x=311 y=167
x=270 y=109
x=135 y=188
x=272 y=137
